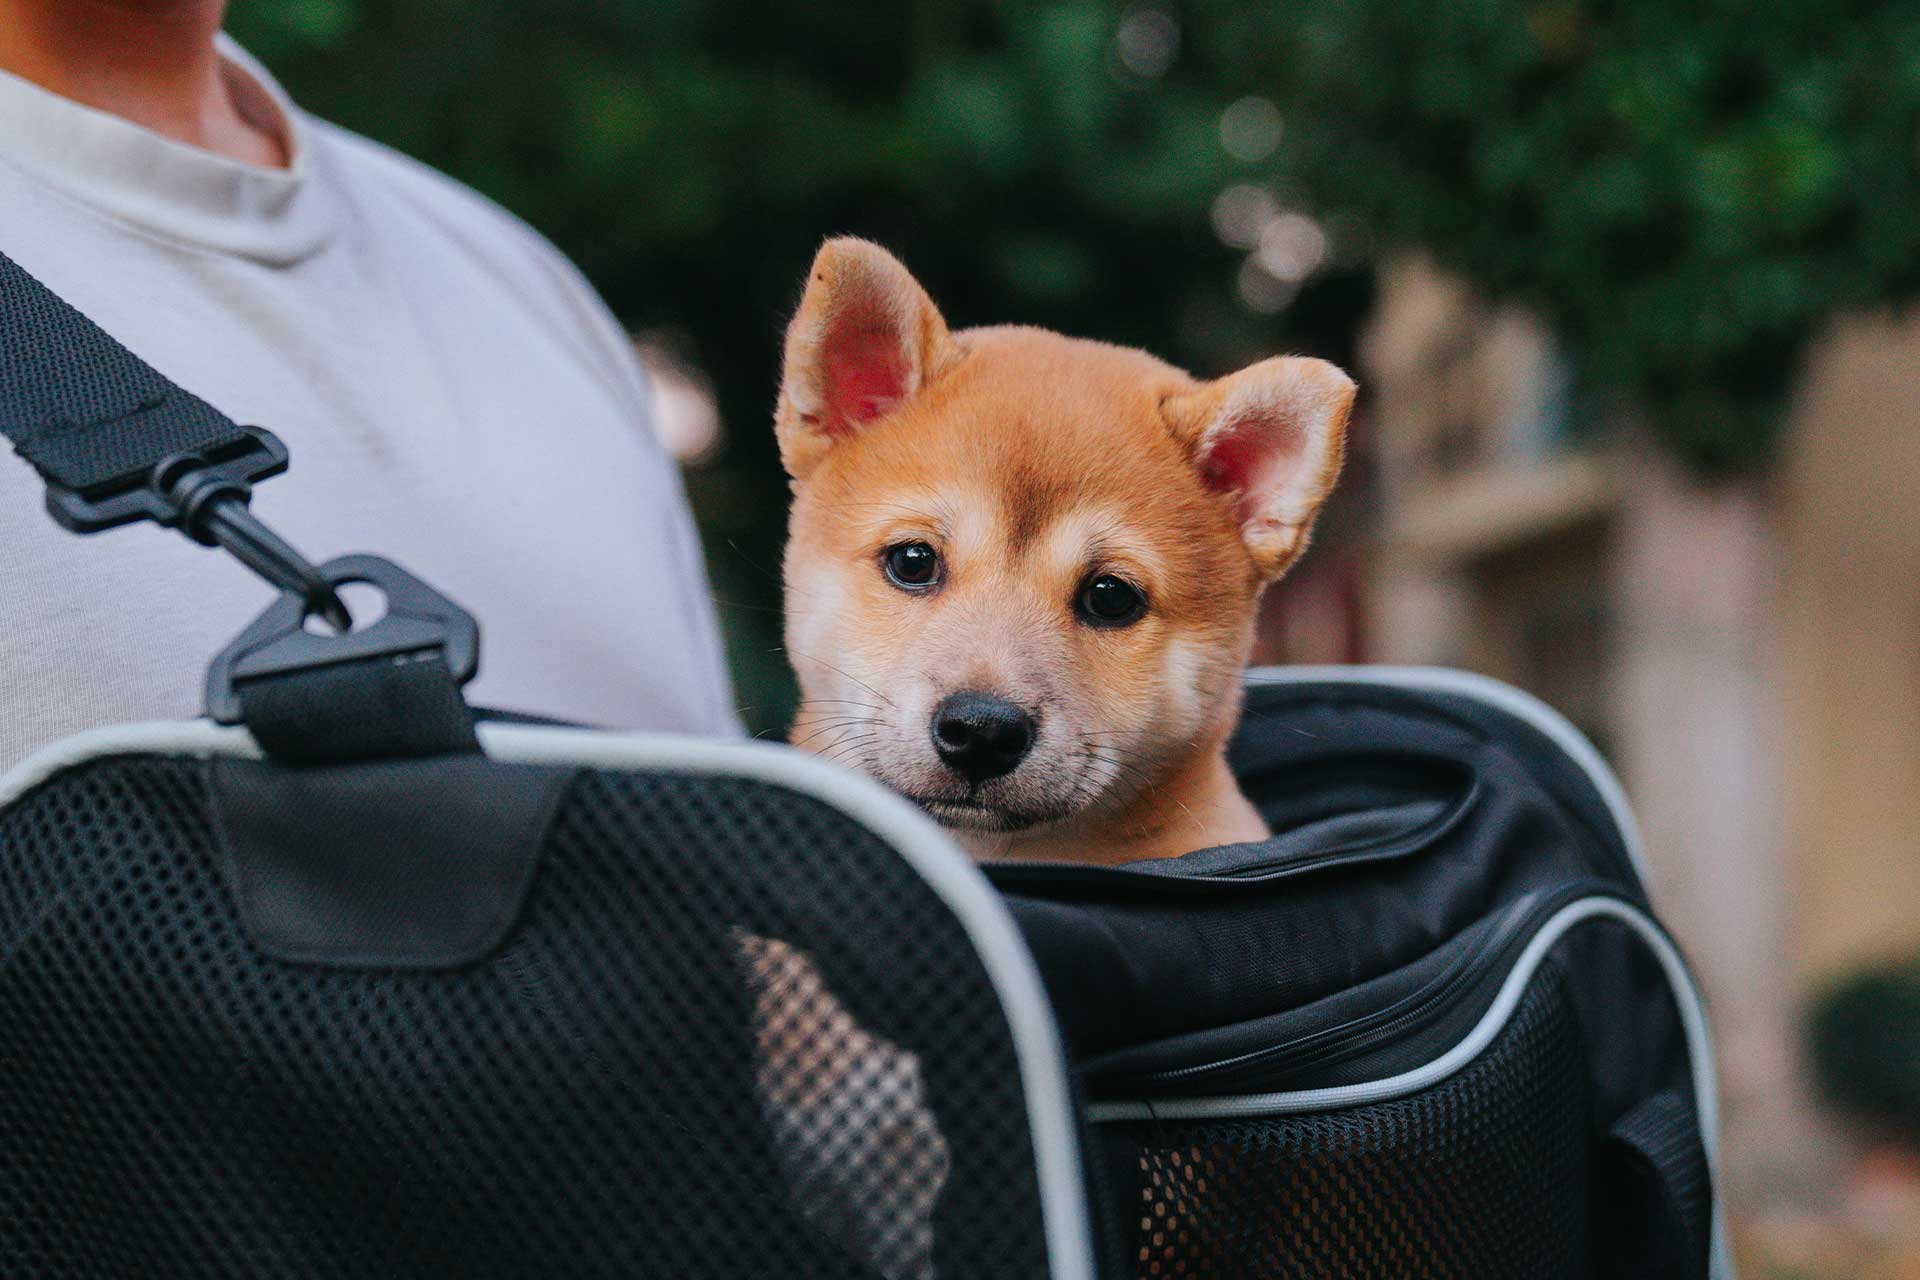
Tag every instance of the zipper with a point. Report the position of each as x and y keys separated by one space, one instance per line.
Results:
x=1408 y=1014
x=1272 y=867
x=1368 y=849
x=1597 y=904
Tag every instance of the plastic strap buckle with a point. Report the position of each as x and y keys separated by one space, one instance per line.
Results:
x=204 y=495
x=419 y=623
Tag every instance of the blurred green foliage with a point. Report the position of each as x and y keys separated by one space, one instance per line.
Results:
x=1864 y=1037
x=1687 y=191
x=690 y=157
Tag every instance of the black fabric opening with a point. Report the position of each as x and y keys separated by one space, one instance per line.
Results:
x=1287 y=722
x=1128 y=960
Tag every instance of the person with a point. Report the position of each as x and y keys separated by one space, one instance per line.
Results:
x=454 y=395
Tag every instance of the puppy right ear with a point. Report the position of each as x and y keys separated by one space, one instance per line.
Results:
x=1271 y=437
x=865 y=339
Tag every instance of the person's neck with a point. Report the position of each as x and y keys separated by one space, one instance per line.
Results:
x=152 y=62
x=1196 y=808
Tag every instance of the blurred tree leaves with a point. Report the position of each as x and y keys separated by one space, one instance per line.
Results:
x=1687 y=192
x=1863 y=1037
x=691 y=155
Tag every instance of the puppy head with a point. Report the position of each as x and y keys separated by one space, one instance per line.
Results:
x=1022 y=568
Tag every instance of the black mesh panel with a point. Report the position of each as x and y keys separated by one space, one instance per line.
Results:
x=1482 y=1177
x=733 y=1036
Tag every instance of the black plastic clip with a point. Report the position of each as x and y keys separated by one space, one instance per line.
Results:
x=419 y=622
x=205 y=496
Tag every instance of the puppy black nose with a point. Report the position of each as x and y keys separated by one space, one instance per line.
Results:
x=981 y=735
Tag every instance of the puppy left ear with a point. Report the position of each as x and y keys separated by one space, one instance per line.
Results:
x=865 y=339
x=1272 y=436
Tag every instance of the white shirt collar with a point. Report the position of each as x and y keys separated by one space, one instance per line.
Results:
x=172 y=190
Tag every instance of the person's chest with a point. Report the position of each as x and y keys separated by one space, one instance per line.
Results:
x=433 y=417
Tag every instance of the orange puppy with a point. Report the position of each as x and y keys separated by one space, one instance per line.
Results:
x=1022 y=568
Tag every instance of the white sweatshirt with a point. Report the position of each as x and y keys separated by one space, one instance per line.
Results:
x=454 y=395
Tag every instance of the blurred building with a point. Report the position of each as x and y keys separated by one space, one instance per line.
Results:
x=1747 y=654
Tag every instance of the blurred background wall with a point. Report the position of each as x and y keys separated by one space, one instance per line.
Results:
x=1622 y=283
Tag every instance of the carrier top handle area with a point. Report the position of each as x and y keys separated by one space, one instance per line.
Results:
x=118 y=442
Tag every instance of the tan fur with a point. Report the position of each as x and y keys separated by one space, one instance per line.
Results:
x=1032 y=461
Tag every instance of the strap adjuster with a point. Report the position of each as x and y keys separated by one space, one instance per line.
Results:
x=204 y=495
x=420 y=623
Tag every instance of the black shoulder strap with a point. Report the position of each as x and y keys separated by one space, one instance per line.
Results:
x=117 y=441
x=90 y=416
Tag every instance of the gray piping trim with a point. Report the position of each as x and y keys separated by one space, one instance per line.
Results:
x=167 y=738
x=926 y=848
x=1502 y=697
x=1491 y=1023
x=1692 y=1019
x=1516 y=702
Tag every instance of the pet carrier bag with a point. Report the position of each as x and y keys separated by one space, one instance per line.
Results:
x=345 y=980
x=1429 y=1028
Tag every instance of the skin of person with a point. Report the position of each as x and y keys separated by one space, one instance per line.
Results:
x=152 y=62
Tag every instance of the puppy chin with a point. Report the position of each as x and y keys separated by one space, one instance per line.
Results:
x=970 y=815
x=1000 y=808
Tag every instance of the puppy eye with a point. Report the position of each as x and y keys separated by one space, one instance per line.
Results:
x=911 y=566
x=1108 y=601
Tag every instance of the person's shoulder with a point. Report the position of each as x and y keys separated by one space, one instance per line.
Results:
x=453 y=207
x=492 y=238
x=389 y=184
